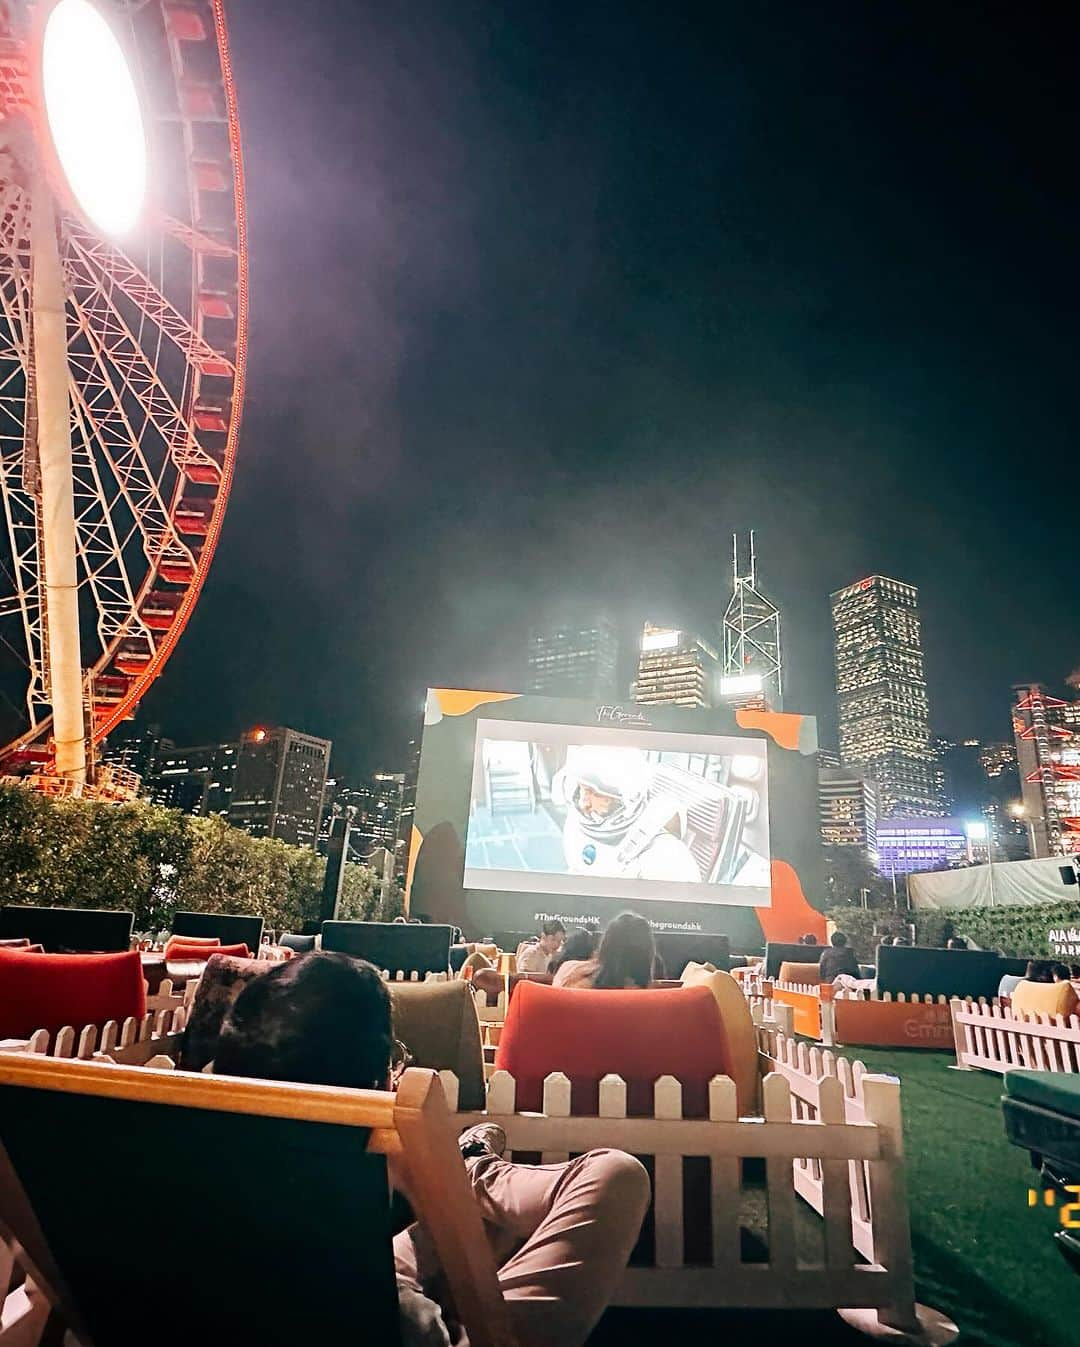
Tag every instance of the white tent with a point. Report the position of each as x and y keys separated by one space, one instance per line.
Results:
x=1006 y=884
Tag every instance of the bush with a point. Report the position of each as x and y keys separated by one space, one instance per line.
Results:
x=154 y=862
x=1019 y=932
x=864 y=928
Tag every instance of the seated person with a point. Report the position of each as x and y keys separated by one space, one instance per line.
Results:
x=1060 y=972
x=626 y=957
x=1008 y=984
x=562 y=1234
x=809 y=939
x=533 y=956
x=579 y=949
x=956 y=942
x=839 y=958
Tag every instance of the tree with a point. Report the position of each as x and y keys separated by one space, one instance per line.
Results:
x=360 y=899
x=847 y=873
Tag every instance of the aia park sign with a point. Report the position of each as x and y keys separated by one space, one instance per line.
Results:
x=1064 y=941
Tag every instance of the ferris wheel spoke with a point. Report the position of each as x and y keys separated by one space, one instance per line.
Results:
x=21 y=520
x=99 y=548
x=195 y=239
x=20 y=509
x=115 y=267
x=104 y=420
x=109 y=334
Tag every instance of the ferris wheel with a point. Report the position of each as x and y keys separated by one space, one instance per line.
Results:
x=123 y=326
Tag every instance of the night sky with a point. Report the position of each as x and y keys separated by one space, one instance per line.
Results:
x=548 y=299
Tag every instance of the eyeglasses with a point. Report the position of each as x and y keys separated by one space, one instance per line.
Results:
x=400 y=1060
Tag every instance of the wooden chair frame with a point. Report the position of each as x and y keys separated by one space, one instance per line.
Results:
x=413 y=1128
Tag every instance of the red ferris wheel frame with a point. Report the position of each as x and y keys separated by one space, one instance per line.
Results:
x=197 y=423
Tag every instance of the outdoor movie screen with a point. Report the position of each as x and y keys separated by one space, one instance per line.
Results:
x=618 y=813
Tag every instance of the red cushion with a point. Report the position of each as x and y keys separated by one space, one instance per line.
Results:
x=638 y=1035
x=190 y=942
x=49 y=991
x=177 y=953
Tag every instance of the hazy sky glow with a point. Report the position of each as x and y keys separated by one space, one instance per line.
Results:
x=548 y=299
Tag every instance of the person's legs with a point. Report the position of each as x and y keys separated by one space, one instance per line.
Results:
x=562 y=1235
x=576 y=1225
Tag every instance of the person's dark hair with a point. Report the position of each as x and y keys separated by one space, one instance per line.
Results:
x=1074 y=971
x=322 y=1019
x=808 y=939
x=1059 y=972
x=553 y=928
x=956 y=942
x=839 y=939
x=1038 y=970
x=592 y=927
x=580 y=945
x=626 y=953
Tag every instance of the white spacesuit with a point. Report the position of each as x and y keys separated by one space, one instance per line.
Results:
x=612 y=828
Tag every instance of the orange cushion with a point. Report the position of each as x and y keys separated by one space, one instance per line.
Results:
x=1043 y=998
x=634 y=1034
x=49 y=991
x=176 y=952
x=805 y=974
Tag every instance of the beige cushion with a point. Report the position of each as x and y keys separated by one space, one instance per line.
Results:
x=437 y=1023
x=806 y=974
x=738 y=1026
x=1043 y=998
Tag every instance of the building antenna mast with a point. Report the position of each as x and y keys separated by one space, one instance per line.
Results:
x=751 y=629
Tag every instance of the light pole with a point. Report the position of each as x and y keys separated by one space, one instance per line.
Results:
x=88 y=153
x=1018 y=811
x=57 y=487
x=979 y=830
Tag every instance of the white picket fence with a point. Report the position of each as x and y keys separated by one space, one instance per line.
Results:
x=993 y=1038
x=153 y=1040
x=833 y=1138
x=492 y=1014
x=411 y=975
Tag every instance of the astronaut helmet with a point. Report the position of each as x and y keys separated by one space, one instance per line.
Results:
x=606 y=789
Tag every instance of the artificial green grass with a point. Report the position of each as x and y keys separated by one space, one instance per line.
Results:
x=982 y=1255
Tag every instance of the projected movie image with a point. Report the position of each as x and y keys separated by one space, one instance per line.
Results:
x=621 y=813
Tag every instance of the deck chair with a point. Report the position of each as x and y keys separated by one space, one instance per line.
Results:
x=302 y=1254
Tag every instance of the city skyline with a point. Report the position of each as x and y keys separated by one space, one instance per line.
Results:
x=570 y=341
x=989 y=723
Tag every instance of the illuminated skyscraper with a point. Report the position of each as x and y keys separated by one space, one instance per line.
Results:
x=574 y=659
x=881 y=694
x=1047 y=732
x=279 y=785
x=676 y=668
x=194 y=780
x=848 y=808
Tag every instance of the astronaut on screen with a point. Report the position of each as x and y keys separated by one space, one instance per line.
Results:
x=612 y=826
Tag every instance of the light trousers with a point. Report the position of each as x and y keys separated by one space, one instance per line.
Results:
x=561 y=1235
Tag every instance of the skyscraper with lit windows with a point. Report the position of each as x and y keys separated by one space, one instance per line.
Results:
x=574 y=658
x=676 y=668
x=881 y=694
x=279 y=785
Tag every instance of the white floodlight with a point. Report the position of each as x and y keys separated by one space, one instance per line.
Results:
x=93 y=115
